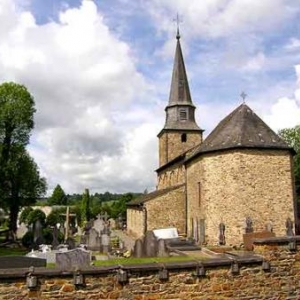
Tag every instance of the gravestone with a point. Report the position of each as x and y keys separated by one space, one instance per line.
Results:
x=289 y=227
x=138 y=249
x=99 y=224
x=162 y=249
x=105 y=242
x=202 y=231
x=150 y=244
x=55 y=241
x=249 y=225
x=75 y=258
x=37 y=233
x=71 y=243
x=93 y=240
x=222 y=234
x=22 y=229
x=112 y=223
x=12 y=262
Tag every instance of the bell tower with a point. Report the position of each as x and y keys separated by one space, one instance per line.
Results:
x=180 y=132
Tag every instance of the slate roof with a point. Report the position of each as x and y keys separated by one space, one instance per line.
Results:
x=241 y=129
x=147 y=197
x=180 y=96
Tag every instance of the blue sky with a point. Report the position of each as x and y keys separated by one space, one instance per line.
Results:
x=100 y=74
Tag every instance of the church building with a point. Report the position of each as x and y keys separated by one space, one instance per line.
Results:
x=241 y=171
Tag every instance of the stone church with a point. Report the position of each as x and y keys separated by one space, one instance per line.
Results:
x=241 y=171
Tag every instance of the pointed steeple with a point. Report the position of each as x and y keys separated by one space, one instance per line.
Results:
x=180 y=111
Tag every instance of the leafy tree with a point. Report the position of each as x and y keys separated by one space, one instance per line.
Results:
x=24 y=214
x=55 y=217
x=292 y=137
x=20 y=181
x=35 y=215
x=85 y=207
x=58 y=197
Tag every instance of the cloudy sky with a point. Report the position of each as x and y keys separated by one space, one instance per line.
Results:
x=100 y=74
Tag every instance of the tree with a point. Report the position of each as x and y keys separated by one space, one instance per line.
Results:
x=292 y=138
x=26 y=184
x=58 y=197
x=20 y=181
x=85 y=207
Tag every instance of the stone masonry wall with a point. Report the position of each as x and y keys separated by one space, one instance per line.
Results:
x=135 y=221
x=281 y=281
x=170 y=145
x=167 y=211
x=239 y=184
x=171 y=177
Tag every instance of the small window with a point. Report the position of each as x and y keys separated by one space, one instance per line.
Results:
x=182 y=114
x=183 y=138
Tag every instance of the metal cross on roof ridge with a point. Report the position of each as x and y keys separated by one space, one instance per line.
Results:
x=243 y=95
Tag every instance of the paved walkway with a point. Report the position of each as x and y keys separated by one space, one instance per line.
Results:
x=128 y=240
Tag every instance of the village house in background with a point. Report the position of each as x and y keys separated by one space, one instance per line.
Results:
x=238 y=180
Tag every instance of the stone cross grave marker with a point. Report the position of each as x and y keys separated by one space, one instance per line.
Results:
x=99 y=224
x=75 y=258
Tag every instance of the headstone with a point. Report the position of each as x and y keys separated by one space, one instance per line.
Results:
x=269 y=227
x=98 y=224
x=12 y=262
x=222 y=234
x=289 y=227
x=202 y=231
x=71 y=243
x=37 y=232
x=55 y=241
x=105 y=242
x=162 y=249
x=75 y=258
x=112 y=223
x=93 y=240
x=249 y=225
x=150 y=244
x=138 y=249
x=22 y=229
x=166 y=233
x=195 y=233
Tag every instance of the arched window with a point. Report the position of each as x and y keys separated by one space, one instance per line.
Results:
x=183 y=138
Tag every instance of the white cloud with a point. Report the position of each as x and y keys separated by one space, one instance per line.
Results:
x=219 y=18
x=285 y=112
x=78 y=73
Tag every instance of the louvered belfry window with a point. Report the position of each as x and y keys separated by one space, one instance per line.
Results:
x=183 y=114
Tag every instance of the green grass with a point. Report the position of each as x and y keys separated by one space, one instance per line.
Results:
x=146 y=260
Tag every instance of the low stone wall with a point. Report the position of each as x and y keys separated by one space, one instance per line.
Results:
x=281 y=281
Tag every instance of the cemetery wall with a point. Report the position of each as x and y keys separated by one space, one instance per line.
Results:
x=281 y=281
x=172 y=176
x=171 y=146
x=228 y=187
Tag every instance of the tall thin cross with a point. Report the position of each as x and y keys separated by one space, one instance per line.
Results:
x=243 y=95
x=177 y=20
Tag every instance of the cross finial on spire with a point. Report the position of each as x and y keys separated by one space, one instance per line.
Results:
x=177 y=20
x=243 y=95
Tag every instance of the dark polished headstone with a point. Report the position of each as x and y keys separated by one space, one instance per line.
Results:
x=12 y=262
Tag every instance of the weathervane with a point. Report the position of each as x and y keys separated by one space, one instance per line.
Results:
x=243 y=95
x=177 y=20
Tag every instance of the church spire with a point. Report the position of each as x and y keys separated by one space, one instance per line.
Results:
x=180 y=111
